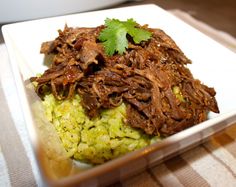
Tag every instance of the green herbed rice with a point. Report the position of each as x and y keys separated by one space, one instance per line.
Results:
x=93 y=141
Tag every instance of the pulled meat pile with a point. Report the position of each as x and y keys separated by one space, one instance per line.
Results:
x=151 y=78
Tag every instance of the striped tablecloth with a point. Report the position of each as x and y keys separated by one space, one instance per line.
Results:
x=210 y=164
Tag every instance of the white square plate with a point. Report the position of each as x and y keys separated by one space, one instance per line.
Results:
x=212 y=63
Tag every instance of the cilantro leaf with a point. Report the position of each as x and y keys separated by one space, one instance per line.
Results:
x=114 y=36
x=138 y=34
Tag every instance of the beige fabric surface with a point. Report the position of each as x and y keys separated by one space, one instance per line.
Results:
x=210 y=164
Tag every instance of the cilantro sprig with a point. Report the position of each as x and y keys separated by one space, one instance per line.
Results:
x=114 y=36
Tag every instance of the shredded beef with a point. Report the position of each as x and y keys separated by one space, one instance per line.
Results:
x=144 y=77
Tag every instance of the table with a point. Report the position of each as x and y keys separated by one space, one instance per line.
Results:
x=210 y=164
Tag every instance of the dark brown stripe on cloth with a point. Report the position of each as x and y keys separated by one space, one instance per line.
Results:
x=18 y=164
x=227 y=142
x=185 y=173
x=219 y=160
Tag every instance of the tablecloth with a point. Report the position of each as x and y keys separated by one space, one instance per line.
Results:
x=210 y=164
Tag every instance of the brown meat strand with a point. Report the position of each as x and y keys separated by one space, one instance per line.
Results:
x=144 y=78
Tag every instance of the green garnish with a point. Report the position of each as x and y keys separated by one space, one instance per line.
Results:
x=114 y=36
x=176 y=90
